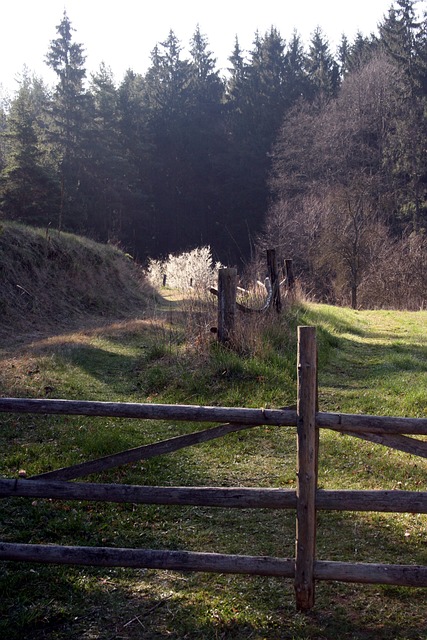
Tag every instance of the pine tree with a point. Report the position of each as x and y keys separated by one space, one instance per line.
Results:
x=28 y=192
x=107 y=167
x=344 y=53
x=260 y=91
x=322 y=70
x=296 y=79
x=167 y=104
x=269 y=77
x=206 y=142
x=69 y=110
x=360 y=52
x=403 y=38
x=167 y=80
x=206 y=89
x=237 y=91
x=237 y=69
x=3 y=120
x=136 y=217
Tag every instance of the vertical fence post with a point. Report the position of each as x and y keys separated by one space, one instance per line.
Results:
x=273 y=272
x=227 y=288
x=289 y=273
x=307 y=456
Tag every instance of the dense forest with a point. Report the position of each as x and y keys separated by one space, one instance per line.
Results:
x=320 y=154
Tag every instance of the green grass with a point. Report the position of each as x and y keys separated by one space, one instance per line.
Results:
x=369 y=362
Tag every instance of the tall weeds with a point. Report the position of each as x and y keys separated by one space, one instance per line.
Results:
x=51 y=279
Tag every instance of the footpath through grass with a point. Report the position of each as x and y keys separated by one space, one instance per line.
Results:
x=369 y=362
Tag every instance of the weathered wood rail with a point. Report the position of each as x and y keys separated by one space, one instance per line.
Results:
x=227 y=290
x=306 y=500
x=238 y=498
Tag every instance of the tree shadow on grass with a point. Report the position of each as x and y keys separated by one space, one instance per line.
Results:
x=79 y=602
x=93 y=603
x=42 y=602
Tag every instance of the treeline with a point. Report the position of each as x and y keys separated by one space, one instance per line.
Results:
x=163 y=162
x=349 y=176
x=295 y=142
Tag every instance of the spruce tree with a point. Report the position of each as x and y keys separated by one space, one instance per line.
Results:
x=167 y=99
x=28 y=191
x=206 y=143
x=322 y=70
x=107 y=166
x=403 y=38
x=296 y=79
x=137 y=218
x=3 y=120
x=69 y=110
x=260 y=91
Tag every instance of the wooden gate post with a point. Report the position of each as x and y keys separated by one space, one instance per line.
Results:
x=307 y=457
x=289 y=273
x=273 y=273
x=227 y=289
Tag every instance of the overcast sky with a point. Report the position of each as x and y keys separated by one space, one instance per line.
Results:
x=123 y=33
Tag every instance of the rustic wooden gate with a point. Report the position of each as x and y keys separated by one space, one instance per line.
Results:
x=304 y=569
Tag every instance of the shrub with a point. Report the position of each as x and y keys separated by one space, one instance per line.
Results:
x=193 y=269
x=398 y=277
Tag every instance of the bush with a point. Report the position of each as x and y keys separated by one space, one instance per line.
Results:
x=398 y=278
x=194 y=269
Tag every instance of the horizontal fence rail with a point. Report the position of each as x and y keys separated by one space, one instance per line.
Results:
x=344 y=422
x=306 y=500
x=365 y=573
x=190 y=413
x=148 y=559
x=396 y=501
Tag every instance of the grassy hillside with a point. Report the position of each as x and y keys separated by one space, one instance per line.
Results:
x=51 y=279
x=368 y=362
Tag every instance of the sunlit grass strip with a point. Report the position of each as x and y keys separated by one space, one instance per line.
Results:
x=141 y=453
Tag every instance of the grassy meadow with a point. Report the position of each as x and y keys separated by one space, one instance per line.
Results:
x=369 y=362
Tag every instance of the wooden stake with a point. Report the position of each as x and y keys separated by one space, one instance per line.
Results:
x=307 y=454
x=227 y=289
x=273 y=272
x=290 y=279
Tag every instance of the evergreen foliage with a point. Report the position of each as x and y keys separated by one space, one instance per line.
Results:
x=68 y=133
x=27 y=185
x=350 y=170
x=181 y=157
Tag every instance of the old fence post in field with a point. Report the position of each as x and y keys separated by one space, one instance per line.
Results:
x=273 y=274
x=289 y=275
x=227 y=289
x=307 y=456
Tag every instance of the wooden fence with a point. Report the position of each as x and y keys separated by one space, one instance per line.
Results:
x=307 y=499
x=227 y=291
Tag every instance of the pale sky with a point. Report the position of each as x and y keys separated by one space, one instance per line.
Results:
x=122 y=33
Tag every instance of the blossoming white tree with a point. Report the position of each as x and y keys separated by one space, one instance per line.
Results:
x=193 y=269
